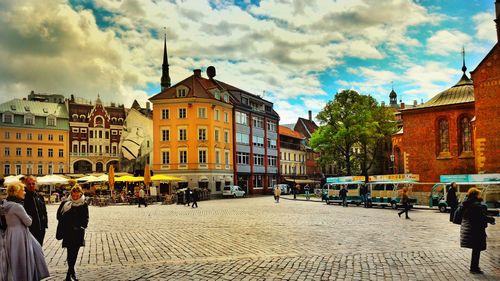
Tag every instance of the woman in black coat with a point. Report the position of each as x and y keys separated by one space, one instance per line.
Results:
x=451 y=199
x=73 y=217
x=472 y=230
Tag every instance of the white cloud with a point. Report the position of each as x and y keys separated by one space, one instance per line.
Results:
x=445 y=42
x=485 y=27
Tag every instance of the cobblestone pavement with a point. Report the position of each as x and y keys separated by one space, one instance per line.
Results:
x=257 y=239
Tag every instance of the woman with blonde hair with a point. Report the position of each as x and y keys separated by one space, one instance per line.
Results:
x=25 y=257
x=73 y=217
x=473 y=227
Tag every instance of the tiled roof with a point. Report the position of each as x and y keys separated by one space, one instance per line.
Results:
x=309 y=125
x=288 y=132
x=37 y=108
x=462 y=92
x=198 y=88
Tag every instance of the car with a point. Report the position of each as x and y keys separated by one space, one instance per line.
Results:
x=284 y=188
x=233 y=191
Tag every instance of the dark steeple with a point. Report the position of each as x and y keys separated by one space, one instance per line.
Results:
x=165 y=77
x=393 y=98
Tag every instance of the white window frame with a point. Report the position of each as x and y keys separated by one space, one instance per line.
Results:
x=165 y=114
x=179 y=135
x=182 y=113
x=202 y=155
x=182 y=151
x=165 y=152
x=10 y=115
x=202 y=112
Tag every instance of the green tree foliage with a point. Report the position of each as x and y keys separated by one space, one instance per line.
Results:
x=350 y=121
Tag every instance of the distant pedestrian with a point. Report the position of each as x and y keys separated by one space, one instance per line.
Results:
x=295 y=191
x=142 y=199
x=404 y=201
x=472 y=230
x=451 y=199
x=277 y=193
x=363 y=192
x=187 y=194
x=34 y=204
x=343 y=196
x=306 y=191
x=73 y=217
x=25 y=258
x=195 y=196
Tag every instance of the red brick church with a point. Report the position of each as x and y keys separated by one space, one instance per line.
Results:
x=458 y=130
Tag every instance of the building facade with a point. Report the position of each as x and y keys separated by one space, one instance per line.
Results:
x=293 y=155
x=94 y=135
x=33 y=138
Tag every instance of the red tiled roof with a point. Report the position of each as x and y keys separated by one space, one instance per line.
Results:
x=198 y=87
x=287 y=132
x=310 y=125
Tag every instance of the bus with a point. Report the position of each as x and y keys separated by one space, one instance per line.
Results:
x=489 y=184
x=385 y=190
x=351 y=183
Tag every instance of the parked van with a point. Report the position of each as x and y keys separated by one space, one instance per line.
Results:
x=233 y=191
x=285 y=189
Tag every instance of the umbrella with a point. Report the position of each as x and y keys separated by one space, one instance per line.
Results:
x=147 y=176
x=87 y=179
x=165 y=178
x=129 y=179
x=52 y=179
x=101 y=178
x=12 y=179
x=111 y=177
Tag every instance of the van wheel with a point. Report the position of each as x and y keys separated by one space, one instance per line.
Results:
x=442 y=209
x=234 y=195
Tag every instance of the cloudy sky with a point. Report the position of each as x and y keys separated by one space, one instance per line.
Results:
x=296 y=53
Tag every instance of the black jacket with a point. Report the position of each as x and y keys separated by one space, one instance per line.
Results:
x=35 y=207
x=474 y=223
x=74 y=222
x=451 y=197
x=343 y=193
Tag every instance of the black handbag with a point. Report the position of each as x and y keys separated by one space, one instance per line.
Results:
x=458 y=215
x=59 y=231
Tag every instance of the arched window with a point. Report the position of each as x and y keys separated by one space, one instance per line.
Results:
x=444 y=136
x=465 y=135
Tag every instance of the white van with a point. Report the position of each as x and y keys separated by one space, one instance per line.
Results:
x=233 y=191
x=285 y=189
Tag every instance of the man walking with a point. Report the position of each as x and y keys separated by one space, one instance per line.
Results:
x=195 y=196
x=451 y=199
x=35 y=207
x=363 y=192
x=306 y=191
x=343 y=196
x=141 y=198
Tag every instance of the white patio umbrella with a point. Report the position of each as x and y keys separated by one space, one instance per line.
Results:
x=87 y=179
x=12 y=179
x=52 y=179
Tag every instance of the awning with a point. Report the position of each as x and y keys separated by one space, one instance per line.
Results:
x=165 y=178
x=182 y=179
x=203 y=178
x=228 y=178
x=302 y=180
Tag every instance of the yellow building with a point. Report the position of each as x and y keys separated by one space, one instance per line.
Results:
x=193 y=133
x=292 y=154
x=33 y=138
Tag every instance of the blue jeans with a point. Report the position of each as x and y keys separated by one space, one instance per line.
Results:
x=307 y=194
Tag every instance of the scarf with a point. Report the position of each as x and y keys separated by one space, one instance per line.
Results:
x=73 y=203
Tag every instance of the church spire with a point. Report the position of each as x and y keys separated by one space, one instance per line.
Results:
x=464 y=68
x=165 y=77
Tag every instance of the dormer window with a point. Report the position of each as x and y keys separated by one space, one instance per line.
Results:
x=51 y=121
x=27 y=108
x=13 y=107
x=217 y=95
x=29 y=119
x=98 y=122
x=75 y=117
x=8 y=118
x=226 y=97
x=182 y=92
x=244 y=100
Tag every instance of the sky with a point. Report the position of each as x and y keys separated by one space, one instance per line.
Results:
x=294 y=53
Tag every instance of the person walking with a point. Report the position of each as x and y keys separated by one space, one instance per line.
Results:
x=277 y=193
x=295 y=191
x=404 y=201
x=195 y=196
x=306 y=191
x=73 y=217
x=34 y=204
x=142 y=199
x=363 y=192
x=188 y=196
x=451 y=199
x=25 y=258
x=472 y=228
x=343 y=196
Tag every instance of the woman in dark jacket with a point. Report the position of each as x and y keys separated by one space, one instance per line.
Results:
x=472 y=230
x=451 y=199
x=73 y=217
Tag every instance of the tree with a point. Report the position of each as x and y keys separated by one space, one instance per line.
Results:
x=352 y=120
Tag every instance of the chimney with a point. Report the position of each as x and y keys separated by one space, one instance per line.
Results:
x=197 y=73
x=497 y=20
x=415 y=103
x=148 y=106
x=402 y=106
x=310 y=115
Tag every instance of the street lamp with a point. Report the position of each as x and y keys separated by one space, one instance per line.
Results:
x=392 y=163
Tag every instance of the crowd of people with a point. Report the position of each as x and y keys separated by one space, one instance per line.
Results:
x=23 y=225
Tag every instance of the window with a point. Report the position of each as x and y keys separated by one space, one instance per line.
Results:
x=6 y=135
x=40 y=169
x=114 y=132
x=165 y=135
x=217 y=157
x=241 y=118
x=40 y=137
x=50 y=169
x=182 y=113
x=202 y=134
x=271 y=143
x=216 y=135
x=202 y=156
x=181 y=93
x=61 y=137
x=226 y=136
x=272 y=161
x=258 y=159
x=226 y=157
x=29 y=169
x=83 y=130
x=444 y=138
x=258 y=122
x=18 y=151
x=51 y=137
x=244 y=100
x=242 y=138
x=106 y=134
x=76 y=130
x=258 y=141
x=165 y=157
x=226 y=117
x=202 y=112
x=6 y=151
x=29 y=152
x=51 y=121
x=91 y=134
x=29 y=136
x=226 y=97
x=465 y=135
x=61 y=153
x=183 y=157
x=242 y=158
x=216 y=115
x=61 y=168
x=8 y=118
x=18 y=136
x=6 y=169
x=271 y=126
x=29 y=119
x=182 y=134
x=40 y=152
x=164 y=114
x=257 y=181
x=51 y=152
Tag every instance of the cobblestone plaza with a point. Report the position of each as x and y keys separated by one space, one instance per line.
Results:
x=257 y=239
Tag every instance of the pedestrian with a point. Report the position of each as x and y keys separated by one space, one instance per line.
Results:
x=295 y=191
x=188 y=196
x=24 y=254
x=4 y=270
x=142 y=199
x=343 y=196
x=363 y=192
x=277 y=193
x=73 y=217
x=451 y=199
x=404 y=201
x=306 y=191
x=472 y=229
x=34 y=204
x=195 y=195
